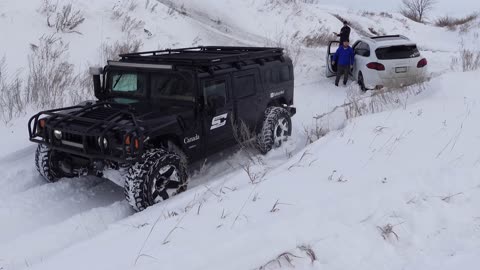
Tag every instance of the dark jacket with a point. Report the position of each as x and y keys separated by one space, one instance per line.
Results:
x=344 y=34
x=344 y=56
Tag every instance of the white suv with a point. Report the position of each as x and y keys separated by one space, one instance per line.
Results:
x=383 y=61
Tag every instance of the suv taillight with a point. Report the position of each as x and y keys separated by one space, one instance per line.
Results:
x=422 y=63
x=375 y=66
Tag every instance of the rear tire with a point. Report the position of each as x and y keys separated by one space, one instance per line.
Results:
x=47 y=164
x=159 y=176
x=361 y=82
x=276 y=128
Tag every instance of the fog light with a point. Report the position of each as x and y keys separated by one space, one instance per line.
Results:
x=57 y=134
x=103 y=143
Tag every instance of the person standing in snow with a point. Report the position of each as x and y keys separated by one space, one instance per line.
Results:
x=345 y=57
x=344 y=33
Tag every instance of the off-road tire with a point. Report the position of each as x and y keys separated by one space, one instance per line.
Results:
x=142 y=176
x=45 y=165
x=268 y=133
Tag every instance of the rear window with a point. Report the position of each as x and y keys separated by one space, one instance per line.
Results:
x=397 y=52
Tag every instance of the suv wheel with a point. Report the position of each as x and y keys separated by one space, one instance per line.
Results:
x=276 y=128
x=361 y=82
x=47 y=162
x=159 y=176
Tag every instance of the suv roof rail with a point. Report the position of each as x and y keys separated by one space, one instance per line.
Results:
x=205 y=56
x=390 y=36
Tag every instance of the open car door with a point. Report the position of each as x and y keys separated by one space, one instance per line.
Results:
x=331 y=70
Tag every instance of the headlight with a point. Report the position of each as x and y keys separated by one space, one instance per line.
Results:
x=103 y=143
x=57 y=134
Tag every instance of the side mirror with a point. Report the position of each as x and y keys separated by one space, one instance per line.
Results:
x=96 y=72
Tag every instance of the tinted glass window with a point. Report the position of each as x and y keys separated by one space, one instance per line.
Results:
x=172 y=86
x=127 y=83
x=397 y=52
x=244 y=86
x=285 y=74
x=362 y=49
x=215 y=93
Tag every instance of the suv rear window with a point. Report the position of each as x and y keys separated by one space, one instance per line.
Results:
x=397 y=52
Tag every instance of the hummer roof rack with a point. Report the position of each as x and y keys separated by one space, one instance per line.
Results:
x=205 y=56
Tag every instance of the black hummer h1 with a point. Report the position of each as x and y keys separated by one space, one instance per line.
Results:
x=156 y=111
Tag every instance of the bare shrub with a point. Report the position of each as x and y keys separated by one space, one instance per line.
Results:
x=84 y=89
x=130 y=24
x=292 y=46
x=387 y=231
x=11 y=102
x=321 y=37
x=132 y=5
x=51 y=75
x=452 y=23
x=112 y=51
x=66 y=20
x=416 y=10
x=122 y=11
x=386 y=15
x=314 y=133
x=469 y=60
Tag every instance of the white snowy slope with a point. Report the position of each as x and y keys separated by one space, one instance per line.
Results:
x=412 y=168
x=415 y=167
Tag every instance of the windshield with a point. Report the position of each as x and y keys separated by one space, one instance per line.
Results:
x=123 y=83
x=397 y=52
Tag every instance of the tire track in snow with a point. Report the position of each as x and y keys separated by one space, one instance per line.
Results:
x=38 y=245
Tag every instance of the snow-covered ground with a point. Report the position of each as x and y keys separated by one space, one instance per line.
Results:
x=414 y=167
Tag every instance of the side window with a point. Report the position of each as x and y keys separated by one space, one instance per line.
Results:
x=285 y=74
x=366 y=49
x=215 y=93
x=245 y=86
x=362 y=49
x=172 y=86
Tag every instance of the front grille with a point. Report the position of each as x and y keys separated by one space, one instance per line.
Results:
x=70 y=139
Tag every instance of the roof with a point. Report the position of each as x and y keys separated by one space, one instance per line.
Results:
x=204 y=56
x=390 y=40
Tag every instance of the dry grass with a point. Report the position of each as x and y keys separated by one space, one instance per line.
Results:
x=387 y=231
x=122 y=12
x=380 y=100
x=468 y=60
x=112 y=51
x=11 y=99
x=287 y=258
x=65 y=19
x=51 y=76
x=320 y=37
x=452 y=23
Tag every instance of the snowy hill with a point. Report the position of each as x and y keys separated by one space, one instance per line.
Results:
x=398 y=189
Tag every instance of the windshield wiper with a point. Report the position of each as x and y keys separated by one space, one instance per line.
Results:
x=116 y=82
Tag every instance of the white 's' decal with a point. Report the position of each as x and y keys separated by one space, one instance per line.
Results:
x=219 y=121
